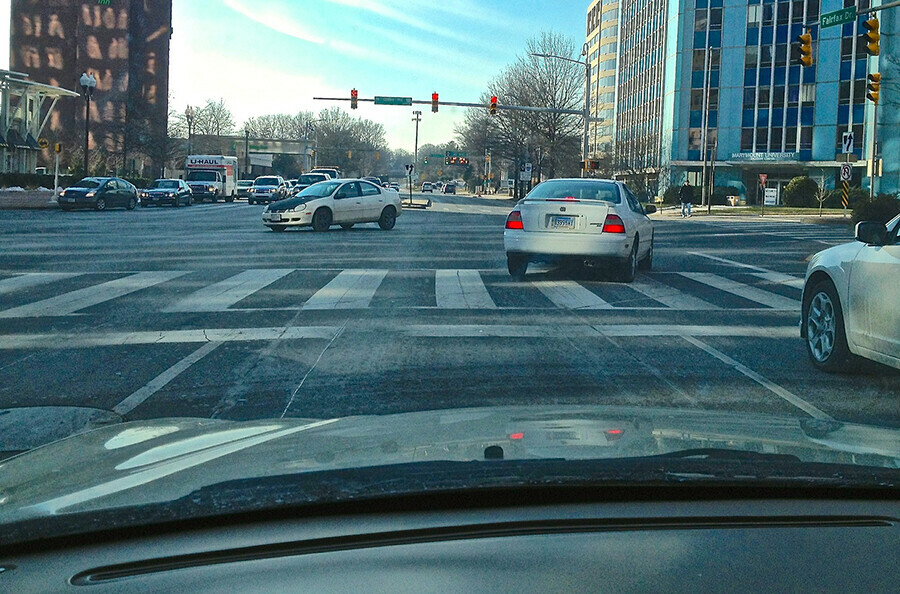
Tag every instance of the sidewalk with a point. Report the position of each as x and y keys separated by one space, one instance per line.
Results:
x=745 y=214
x=27 y=200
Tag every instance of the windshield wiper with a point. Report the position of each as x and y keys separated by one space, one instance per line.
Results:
x=723 y=454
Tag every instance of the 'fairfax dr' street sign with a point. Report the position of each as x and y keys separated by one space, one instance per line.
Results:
x=838 y=17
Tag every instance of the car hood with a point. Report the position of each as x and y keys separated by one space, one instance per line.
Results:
x=161 y=191
x=163 y=460
x=288 y=203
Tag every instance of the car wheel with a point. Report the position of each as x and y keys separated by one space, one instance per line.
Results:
x=826 y=341
x=321 y=220
x=628 y=268
x=277 y=227
x=100 y=204
x=517 y=265
x=229 y=198
x=132 y=203
x=250 y=201
x=647 y=262
x=388 y=218
x=66 y=208
x=143 y=204
x=346 y=226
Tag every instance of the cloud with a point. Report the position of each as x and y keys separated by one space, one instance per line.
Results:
x=275 y=22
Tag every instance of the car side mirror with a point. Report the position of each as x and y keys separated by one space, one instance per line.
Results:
x=649 y=209
x=871 y=232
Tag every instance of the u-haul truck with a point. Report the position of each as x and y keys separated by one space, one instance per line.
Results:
x=211 y=177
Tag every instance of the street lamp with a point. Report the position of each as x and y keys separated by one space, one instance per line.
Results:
x=587 y=96
x=309 y=126
x=189 y=116
x=88 y=84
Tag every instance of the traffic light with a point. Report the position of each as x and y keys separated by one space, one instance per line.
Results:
x=871 y=37
x=493 y=105
x=354 y=95
x=349 y=154
x=873 y=87
x=426 y=160
x=378 y=155
x=803 y=50
x=434 y=102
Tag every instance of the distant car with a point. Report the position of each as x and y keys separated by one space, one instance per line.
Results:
x=427 y=187
x=449 y=189
x=373 y=179
x=306 y=180
x=243 y=187
x=99 y=193
x=167 y=191
x=592 y=221
x=394 y=186
x=850 y=300
x=343 y=202
x=329 y=171
x=267 y=188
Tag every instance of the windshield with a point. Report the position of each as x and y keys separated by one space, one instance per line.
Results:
x=202 y=176
x=564 y=261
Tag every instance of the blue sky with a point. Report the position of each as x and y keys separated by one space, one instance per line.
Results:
x=270 y=56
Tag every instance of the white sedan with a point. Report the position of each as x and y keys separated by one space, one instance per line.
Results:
x=851 y=300
x=587 y=220
x=343 y=202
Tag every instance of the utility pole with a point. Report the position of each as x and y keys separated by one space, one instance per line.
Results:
x=247 y=152
x=704 y=139
x=88 y=84
x=416 y=119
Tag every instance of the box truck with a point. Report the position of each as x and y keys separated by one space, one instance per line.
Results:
x=211 y=177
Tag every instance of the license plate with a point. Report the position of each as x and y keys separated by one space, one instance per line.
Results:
x=70 y=200
x=275 y=217
x=562 y=222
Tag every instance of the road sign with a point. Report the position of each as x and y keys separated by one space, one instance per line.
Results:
x=847 y=143
x=43 y=143
x=846 y=172
x=436 y=156
x=762 y=179
x=838 y=17
x=525 y=172
x=455 y=154
x=393 y=100
x=771 y=196
x=845 y=193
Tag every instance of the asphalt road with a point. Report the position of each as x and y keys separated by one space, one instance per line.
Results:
x=203 y=312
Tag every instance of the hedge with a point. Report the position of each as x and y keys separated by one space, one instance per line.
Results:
x=800 y=191
x=31 y=181
x=882 y=208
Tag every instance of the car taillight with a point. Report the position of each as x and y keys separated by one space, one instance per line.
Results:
x=613 y=224
x=514 y=220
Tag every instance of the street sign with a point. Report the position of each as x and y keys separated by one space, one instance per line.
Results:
x=762 y=179
x=43 y=143
x=436 y=156
x=771 y=196
x=847 y=143
x=455 y=154
x=846 y=172
x=525 y=172
x=838 y=17
x=393 y=100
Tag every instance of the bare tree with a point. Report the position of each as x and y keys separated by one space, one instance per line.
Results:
x=214 y=118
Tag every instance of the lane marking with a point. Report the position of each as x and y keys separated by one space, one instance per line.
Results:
x=779 y=278
x=741 y=290
x=570 y=295
x=730 y=262
x=71 y=302
x=32 y=279
x=159 y=382
x=350 y=289
x=461 y=289
x=669 y=296
x=771 y=386
x=221 y=295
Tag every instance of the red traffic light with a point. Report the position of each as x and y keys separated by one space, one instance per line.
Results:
x=354 y=95
x=493 y=106
x=434 y=102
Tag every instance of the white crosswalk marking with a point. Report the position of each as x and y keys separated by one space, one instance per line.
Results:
x=351 y=289
x=32 y=279
x=570 y=295
x=222 y=295
x=741 y=290
x=71 y=302
x=782 y=279
x=669 y=296
x=461 y=289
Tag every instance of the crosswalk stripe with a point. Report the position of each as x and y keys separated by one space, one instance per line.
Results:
x=32 y=279
x=782 y=279
x=222 y=295
x=351 y=289
x=72 y=301
x=669 y=296
x=570 y=295
x=742 y=290
x=461 y=289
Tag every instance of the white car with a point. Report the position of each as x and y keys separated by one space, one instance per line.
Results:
x=851 y=300
x=267 y=188
x=593 y=221
x=343 y=202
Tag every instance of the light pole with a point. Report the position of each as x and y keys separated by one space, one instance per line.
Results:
x=587 y=97
x=189 y=116
x=88 y=84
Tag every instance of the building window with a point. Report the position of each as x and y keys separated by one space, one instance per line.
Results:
x=695 y=139
x=747 y=139
x=754 y=14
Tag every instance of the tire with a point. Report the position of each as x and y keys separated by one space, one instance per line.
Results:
x=321 y=220
x=823 y=321
x=132 y=203
x=190 y=200
x=278 y=227
x=229 y=198
x=346 y=226
x=647 y=263
x=628 y=267
x=388 y=218
x=517 y=265
x=100 y=204
x=66 y=208
x=250 y=201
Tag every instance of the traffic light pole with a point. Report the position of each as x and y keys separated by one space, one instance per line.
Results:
x=874 y=175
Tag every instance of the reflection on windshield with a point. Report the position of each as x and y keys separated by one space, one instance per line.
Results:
x=88 y=183
x=202 y=176
x=311 y=179
x=579 y=190
x=320 y=189
x=266 y=181
x=165 y=184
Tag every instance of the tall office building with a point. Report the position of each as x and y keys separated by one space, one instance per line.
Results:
x=125 y=45
x=602 y=47
x=719 y=74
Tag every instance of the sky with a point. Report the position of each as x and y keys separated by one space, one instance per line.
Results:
x=274 y=56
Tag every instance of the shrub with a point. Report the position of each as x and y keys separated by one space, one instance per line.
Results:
x=670 y=196
x=882 y=208
x=801 y=192
x=30 y=181
x=854 y=196
x=721 y=194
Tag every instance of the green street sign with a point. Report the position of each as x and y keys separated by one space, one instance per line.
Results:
x=838 y=17
x=393 y=100
x=455 y=154
x=436 y=156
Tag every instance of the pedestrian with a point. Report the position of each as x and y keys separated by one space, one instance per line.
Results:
x=686 y=194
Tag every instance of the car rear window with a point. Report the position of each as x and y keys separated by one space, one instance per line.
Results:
x=578 y=190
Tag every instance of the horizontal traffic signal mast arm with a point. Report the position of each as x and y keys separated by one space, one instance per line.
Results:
x=882 y=7
x=468 y=104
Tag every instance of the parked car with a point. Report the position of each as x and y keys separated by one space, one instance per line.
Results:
x=267 y=188
x=593 y=221
x=449 y=189
x=243 y=187
x=427 y=187
x=167 y=191
x=99 y=193
x=343 y=202
x=850 y=300
x=308 y=179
